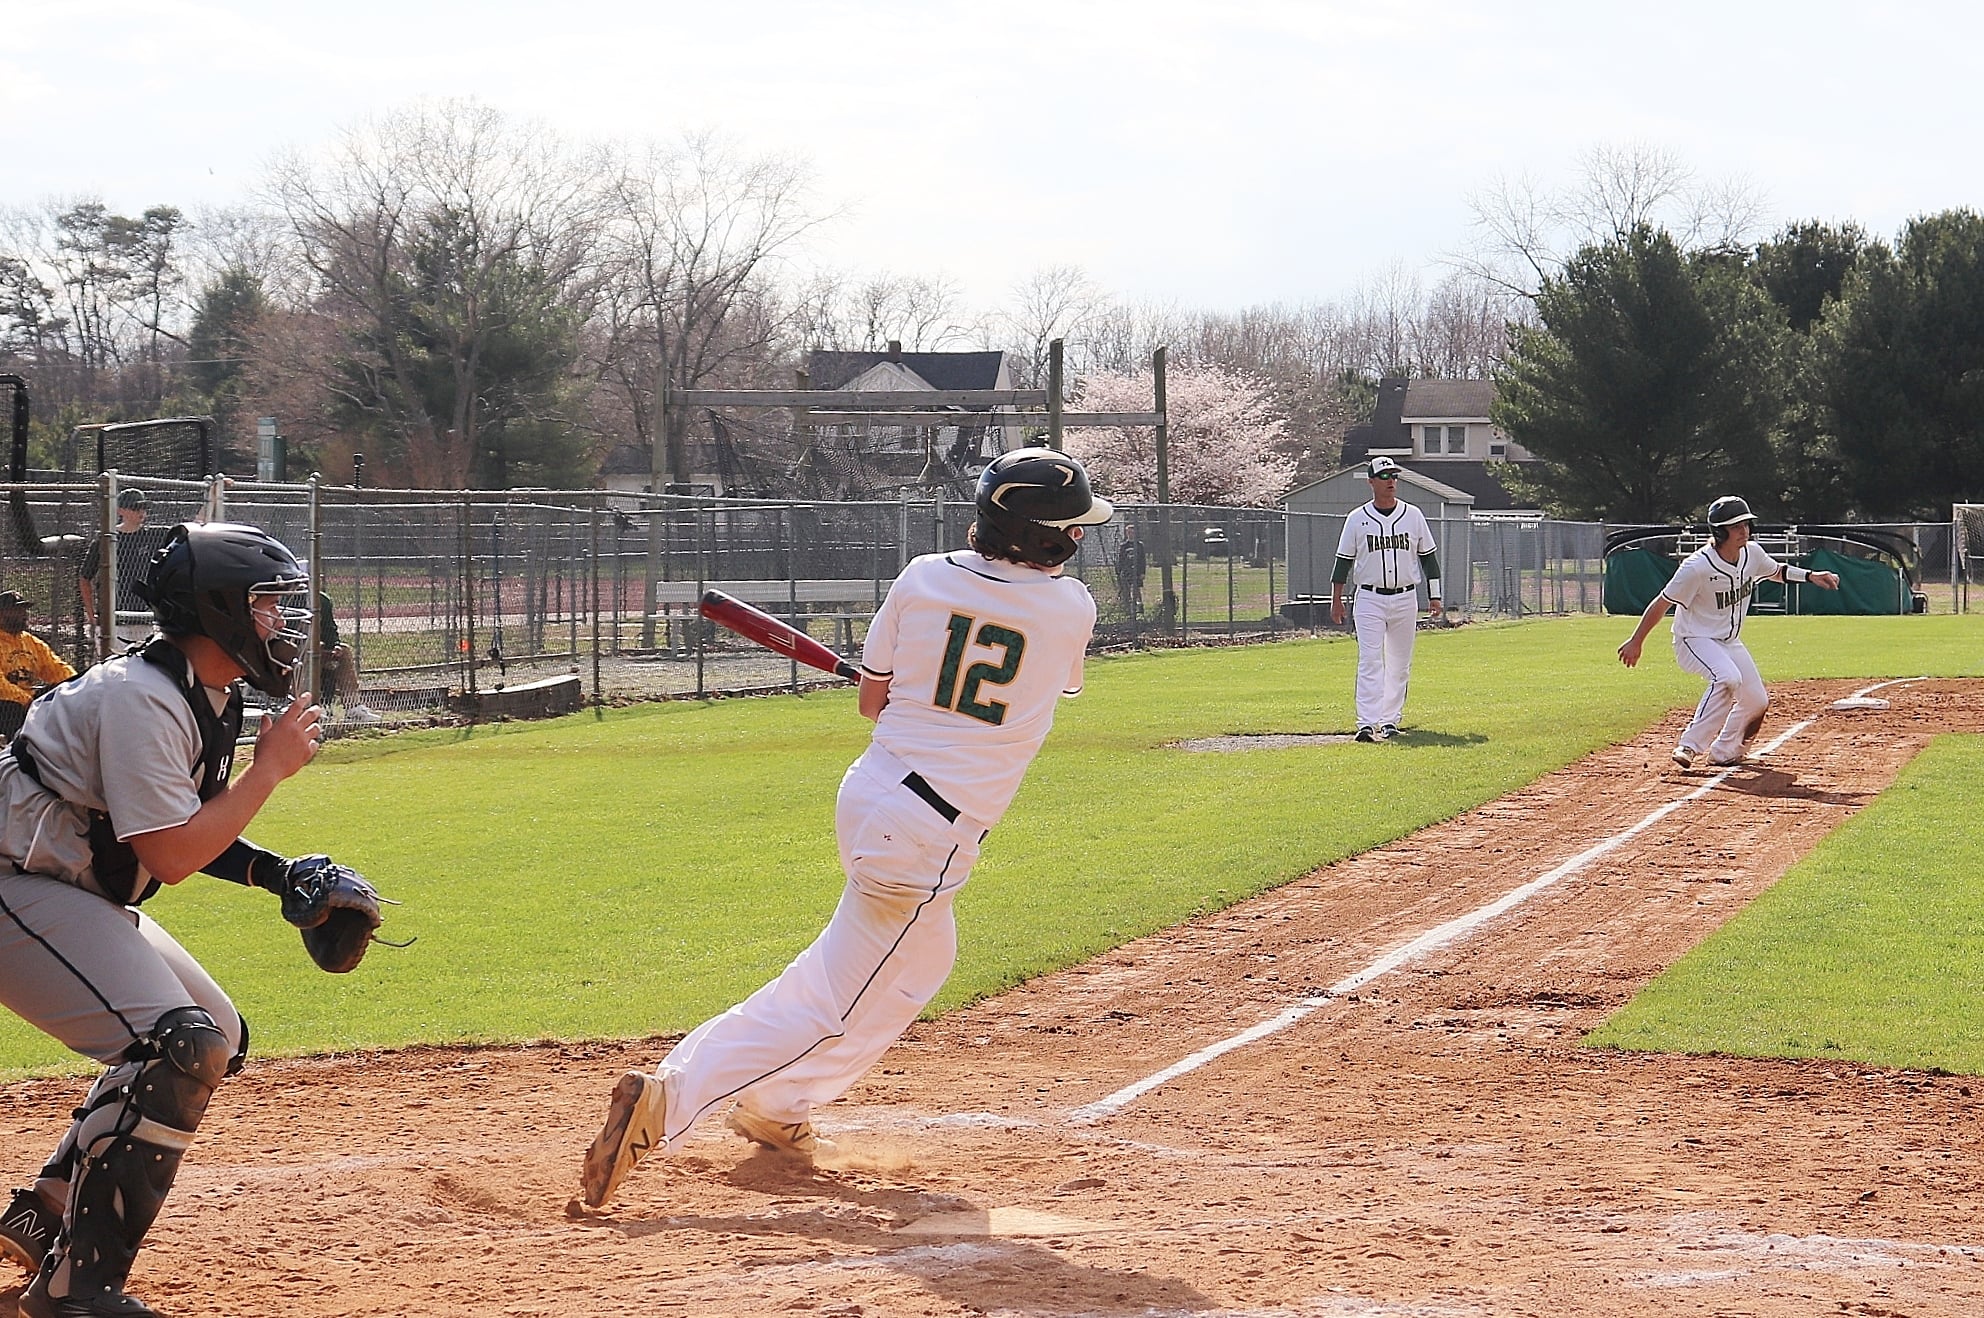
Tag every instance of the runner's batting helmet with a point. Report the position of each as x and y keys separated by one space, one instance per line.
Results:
x=204 y=582
x=1027 y=500
x=1729 y=510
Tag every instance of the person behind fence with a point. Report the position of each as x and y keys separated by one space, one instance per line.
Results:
x=337 y=667
x=1130 y=567
x=117 y=783
x=1385 y=551
x=26 y=663
x=135 y=546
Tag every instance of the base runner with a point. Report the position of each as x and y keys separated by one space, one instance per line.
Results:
x=1710 y=594
x=961 y=672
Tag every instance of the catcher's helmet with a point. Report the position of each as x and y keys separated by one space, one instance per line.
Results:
x=1026 y=501
x=204 y=581
x=1729 y=510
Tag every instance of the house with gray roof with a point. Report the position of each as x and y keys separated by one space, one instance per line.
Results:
x=1442 y=429
x=777 y=455
x=934 y=454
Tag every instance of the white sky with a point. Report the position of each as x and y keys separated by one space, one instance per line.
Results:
x=1216 y=154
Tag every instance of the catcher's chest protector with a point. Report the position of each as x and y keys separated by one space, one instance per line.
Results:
x=116 y=864
x=218 y=732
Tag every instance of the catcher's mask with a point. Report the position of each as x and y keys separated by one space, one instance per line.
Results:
x=213 y=579
x=1027 y=500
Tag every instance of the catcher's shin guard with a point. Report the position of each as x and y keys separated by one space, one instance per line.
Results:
x=136 y=1127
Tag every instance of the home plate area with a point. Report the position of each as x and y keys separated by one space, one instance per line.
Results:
x=1434 y=1142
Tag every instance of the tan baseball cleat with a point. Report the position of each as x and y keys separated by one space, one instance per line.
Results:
x=795 y=1138
x=633 y=1129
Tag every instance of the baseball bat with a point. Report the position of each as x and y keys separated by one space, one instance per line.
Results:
x=753 y=625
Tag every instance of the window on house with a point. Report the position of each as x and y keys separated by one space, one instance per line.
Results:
x=1497 y=449
x=1456 y=439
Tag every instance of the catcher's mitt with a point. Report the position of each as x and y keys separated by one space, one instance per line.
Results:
x=336 y=909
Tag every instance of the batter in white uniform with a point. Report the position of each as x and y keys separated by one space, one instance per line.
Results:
x=1710 y=596
x=1385 y=551
x=960 y=671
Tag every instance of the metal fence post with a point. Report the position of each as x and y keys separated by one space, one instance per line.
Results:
x=598 y=695
x=313 y=669
x=467 y=531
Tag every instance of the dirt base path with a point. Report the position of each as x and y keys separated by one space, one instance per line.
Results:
x=1431 y=1142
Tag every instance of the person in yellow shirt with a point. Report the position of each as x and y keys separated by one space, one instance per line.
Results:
x=26 y=663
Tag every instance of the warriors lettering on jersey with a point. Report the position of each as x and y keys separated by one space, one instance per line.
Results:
x=1725 y=598
x=1403 y=540
x=1711 y=596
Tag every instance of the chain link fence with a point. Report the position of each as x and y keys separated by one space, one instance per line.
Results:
x=445 y=597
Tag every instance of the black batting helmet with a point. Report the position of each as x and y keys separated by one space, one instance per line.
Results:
x=1729 y=510
x=1027 y=500
x=204 y=581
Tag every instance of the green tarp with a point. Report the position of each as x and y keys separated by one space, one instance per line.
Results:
x=1634 y=576
x=1865 y=586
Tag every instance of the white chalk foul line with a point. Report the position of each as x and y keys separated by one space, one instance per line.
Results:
x=1436 y=937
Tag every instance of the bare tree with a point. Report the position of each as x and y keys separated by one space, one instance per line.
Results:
x=837 y=312
x=1623 y=186
x=252 y=239
x=433 y=235
x=1057 y=302
x=1524 y=232
x=1463 y=331
x=696 y=231
x=1725 y=215
x=1387 y=310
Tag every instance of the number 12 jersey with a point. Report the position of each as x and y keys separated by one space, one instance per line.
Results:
x=977 y=651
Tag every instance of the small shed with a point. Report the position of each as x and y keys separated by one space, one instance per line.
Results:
x=1315 y=520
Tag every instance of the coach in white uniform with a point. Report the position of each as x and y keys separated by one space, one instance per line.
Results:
x=1385 y=552
x=961 y=671
x=1710 y=594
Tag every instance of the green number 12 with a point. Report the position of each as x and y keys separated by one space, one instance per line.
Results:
x=964 y=698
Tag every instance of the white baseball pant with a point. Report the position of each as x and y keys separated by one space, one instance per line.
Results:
x=1385 y=629
x=1735 y=695
x=805 y=1038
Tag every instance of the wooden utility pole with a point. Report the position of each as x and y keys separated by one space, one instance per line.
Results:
x=1054 y=394
x=1169 y=611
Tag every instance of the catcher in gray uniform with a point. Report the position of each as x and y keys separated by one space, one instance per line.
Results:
x=117 y=783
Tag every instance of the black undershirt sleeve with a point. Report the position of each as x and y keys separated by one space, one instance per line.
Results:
x=247 y=864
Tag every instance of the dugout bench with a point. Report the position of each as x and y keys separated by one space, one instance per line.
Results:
x=793 y=601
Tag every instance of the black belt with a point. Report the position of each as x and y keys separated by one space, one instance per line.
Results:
x=1388 y=590
x=914 y=782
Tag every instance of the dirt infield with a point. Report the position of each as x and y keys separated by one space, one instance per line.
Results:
x=1433 y=1143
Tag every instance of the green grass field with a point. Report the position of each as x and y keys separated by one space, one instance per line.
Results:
x=629 y=872
x=1871 y=948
